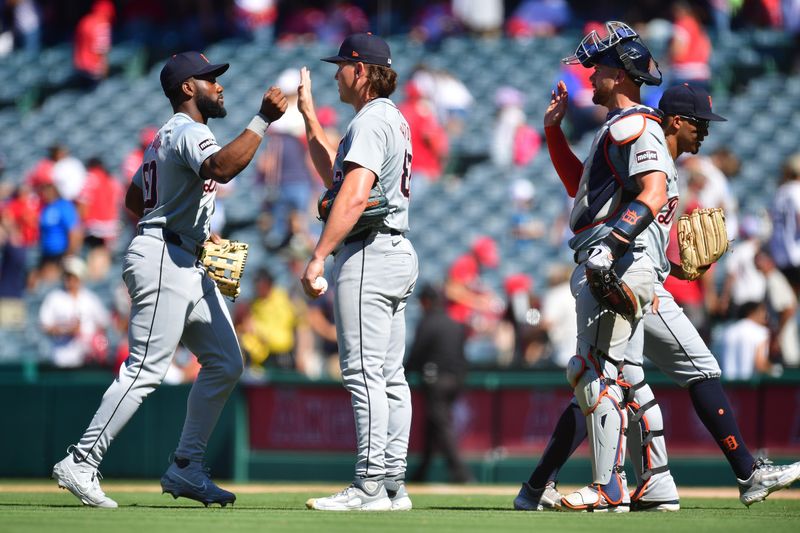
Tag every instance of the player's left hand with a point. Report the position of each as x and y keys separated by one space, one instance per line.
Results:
x=305 y=99
x=314 y=269
x=274 y=104
x=558 y=106
x=600 y=257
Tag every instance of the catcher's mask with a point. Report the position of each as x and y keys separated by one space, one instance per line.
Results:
x=622 y=48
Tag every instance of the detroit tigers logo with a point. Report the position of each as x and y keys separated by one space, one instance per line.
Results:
x=730 y=443
x=630 y=217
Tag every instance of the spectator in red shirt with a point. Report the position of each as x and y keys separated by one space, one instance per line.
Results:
x=99 y=205
x=469 y=300
x=22 y=212
x=93 y=43
x=429 y=141
x=133 y=160
x=690 y=49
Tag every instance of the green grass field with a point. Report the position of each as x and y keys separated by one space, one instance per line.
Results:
x=40 y=508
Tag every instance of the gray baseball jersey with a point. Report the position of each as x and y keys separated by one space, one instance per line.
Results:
x=379 y=139
x=375 y=276
x=183 y=201
x=172 y=298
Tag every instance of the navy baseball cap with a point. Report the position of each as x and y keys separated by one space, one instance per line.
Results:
x=185 y=65
x=693 y=102
x=363 y=47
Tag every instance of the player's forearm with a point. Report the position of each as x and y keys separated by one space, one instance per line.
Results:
x=319 y=148
x=345 y=213
x=568 y=167
x=227 y=163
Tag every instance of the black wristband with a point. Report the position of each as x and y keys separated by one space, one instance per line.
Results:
x=617 y=246
x=636 y=217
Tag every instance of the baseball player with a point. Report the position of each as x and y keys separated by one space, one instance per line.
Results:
x=172 y=298
x=674 y=345
x=621 y=210
x=375 y=269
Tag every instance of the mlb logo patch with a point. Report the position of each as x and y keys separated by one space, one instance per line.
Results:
x=646 y=155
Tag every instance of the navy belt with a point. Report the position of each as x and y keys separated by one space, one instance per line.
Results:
x=365 y=234
x=581 y=256
x=169 y=236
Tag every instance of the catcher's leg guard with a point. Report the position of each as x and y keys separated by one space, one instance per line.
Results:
x=599 y=399
x=646 y=444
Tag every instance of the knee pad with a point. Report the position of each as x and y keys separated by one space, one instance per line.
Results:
x=645 y=435
x=599 y=400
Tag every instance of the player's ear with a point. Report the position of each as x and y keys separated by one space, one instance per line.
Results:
x=188 y=87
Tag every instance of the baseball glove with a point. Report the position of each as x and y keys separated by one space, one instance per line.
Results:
x=611 y=292
x=702 y=240
x=225 y=265
x=373 y=215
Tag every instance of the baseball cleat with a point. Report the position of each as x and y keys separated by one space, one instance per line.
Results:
x=82 y=480
x=643 y=506
x=766 y=479
x=396 y=490
x=194 y=482
x=362 y=495
x=541 y=499
x=608 y=498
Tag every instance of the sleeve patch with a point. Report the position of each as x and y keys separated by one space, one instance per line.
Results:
x=207 y=143
x=646 y=155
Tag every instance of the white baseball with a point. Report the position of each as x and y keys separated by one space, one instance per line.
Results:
x=321 y=284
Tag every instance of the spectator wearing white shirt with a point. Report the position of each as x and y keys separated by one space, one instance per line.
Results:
x=745 y=344
x=743 y=281
x=558 y=316
x=782 y=304
x=75 y=320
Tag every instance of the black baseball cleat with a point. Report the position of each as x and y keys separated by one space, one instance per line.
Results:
x=194 y=482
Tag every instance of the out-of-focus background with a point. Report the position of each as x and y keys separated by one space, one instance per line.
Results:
x=80 y=99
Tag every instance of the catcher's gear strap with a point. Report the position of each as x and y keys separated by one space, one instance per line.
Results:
x=634 y=220
x=568 y=167
x=650 y=472
x=640 y=411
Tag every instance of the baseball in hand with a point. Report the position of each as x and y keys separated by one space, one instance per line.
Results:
x=321 y=284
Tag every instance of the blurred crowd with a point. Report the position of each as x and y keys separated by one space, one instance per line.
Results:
x=62 y=225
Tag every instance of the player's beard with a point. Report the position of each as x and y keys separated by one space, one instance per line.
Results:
x=210 y=108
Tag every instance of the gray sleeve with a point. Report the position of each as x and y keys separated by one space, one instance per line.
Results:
x=368 y=144
x=195 y=144
x=649 y=154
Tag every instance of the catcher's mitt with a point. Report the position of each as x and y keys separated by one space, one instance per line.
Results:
x=373 y=215
x=702 y=239
x=225 y=265
x=611 y=292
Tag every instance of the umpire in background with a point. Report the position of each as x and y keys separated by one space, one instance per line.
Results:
x=438 y=356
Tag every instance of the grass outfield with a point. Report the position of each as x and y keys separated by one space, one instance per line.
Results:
x=37 y=507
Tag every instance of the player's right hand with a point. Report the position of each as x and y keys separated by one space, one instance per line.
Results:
x=314 y=269
x=558 y=106
x=600 y=257
x=274 y=104
x=305 y=100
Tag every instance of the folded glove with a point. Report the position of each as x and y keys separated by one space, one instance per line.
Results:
x=224 y=263
x=702 y=239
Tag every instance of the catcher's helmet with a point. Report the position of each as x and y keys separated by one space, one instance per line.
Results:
x=622 y=48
